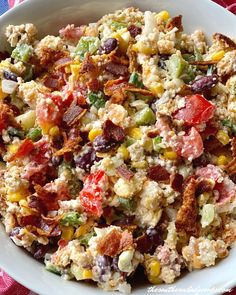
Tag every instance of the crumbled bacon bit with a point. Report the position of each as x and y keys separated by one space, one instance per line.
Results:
x=212 y=144
x=116 y=89
x=233 y=145
x=6 y=117
x=113 y=132
x=89 y=67
x=133 y=64
x=72 y=33
x=116 y=69
x=33 y=220
x=225 y=41
x=114 y=243
x=186 y=219
x=124 y=172
x=176 y=182
x=73 y=114
x=205 y=185
x=153 y=133
x=203 y=62
x=37 y=204
x=158 y=173
x=50 y=56
x=230 y=168
x=175 y=22
x=69 y=146
x=62 y=62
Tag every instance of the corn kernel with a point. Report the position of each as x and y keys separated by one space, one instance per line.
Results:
x=144 y=48
x=123 y=37
x=170 y=155
x=163 y=15
x=87 y=274
x=25 y=210
x=83 y=229
x=46 y=128
x=155 y=268
x=94 y=133
x=135 y=133
x=223 y=137
x=203 y=198
x=139 y=165
x=16 y=196
x=218 y=55
x=124 y=152
x=154 y=280
x=12 y=148
x=54 y=131
x=222 y=160
x=67 y=233
x=75 y=69
x=157 y=89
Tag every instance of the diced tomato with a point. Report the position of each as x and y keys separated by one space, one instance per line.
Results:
x=92 y=193
x=192 y=145
x=210 y=172
x=197 y=110
x=48 y=113
x=24 y=149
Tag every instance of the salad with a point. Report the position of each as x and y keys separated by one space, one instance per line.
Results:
x=118 y=147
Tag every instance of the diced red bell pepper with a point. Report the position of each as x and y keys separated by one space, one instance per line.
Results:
x=197 y=110
x=92 y=193
x=24 y=149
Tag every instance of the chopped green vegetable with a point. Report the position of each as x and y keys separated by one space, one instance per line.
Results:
x=127 y=204
x=145 y=117
x=136 y=80
x=84 y=240
x=208 y=214
x=28 y=75
x=129 y=141
x=198 y=55
x=117 y=25
x=188 y=57
x=188 y=74
x=15 y=132
x=87 y=44
x=157 y=144
x=22 y=52
x=64 y=166
x=52 y=268
x=176 y=65
x=71 y=219
x=97 y=99
x=35 y=134
x=228 y=123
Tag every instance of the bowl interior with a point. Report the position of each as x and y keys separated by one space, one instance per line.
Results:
x=49 y=17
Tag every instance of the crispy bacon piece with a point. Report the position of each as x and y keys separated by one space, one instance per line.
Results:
x=124 y=172
x=6 y=117
x=50 y=56
x=133 y=64
x=49 y=227
x=158 y=173
x=116 y=69
x=33 y=220
x=54 y=81
x=175 y=22
x=89 y=67
x=50 y=197
x=205 y=185
x=230 y=168
x=113 y=132
x=116 y=89
x=233 y=145
x=153 y=133
x=69 y=146
x=114 y=243
x=225 y=41
x=176 y=182
x=186 y=219
x=73 y=114
x=62 y=62
x=203 y=62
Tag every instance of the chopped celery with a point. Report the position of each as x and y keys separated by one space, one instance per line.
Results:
x=157 y=144
x=15 y=132
x=198 y=55
x=136 y=80
x=84 y=240
x=117 y=25
x=188 y=74
x=87 y=44
x=71 y=219
x=129 y=141
x=52 y=268
x=208 y=214
x=228 y=123
x=127 y=204
x=188 y=57
x=176 y=65
x=35 y=134
x=28 y=75
x=22 y=52
x=145 y=117
x=97 y=99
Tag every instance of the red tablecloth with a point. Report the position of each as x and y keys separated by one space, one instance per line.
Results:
x=8 y=286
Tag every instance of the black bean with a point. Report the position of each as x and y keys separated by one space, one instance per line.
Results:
x=86 y=161
x=101 y=144
x=15 y=231
x=108 y=46
x=204 y=83
x=10 y=76
x=134 y=30
x=103 y=264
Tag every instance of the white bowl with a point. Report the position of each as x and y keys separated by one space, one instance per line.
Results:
x=49 y=16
